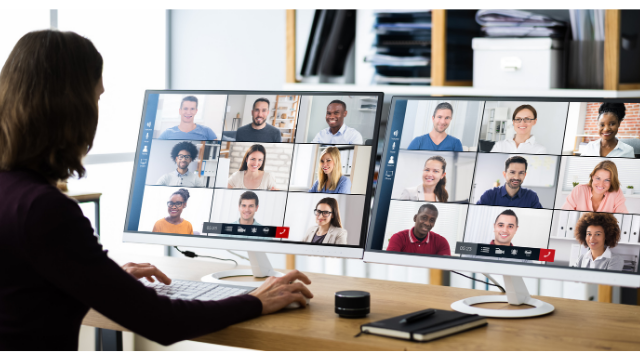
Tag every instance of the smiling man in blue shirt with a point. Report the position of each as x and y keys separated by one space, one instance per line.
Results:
x=437 y=138
x=512 y=193
x=188 y=129
x=337 y=132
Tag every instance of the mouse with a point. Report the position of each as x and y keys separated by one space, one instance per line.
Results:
x=296 y=305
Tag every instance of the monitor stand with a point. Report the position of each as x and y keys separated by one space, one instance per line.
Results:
x=517 y=294
x=260 y=268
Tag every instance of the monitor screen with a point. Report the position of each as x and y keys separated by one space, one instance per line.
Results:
x=549 y=183
x=273 y=167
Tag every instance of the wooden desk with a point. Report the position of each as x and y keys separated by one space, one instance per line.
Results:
x=574 y=325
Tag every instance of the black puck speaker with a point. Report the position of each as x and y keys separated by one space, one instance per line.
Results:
x=352 y=304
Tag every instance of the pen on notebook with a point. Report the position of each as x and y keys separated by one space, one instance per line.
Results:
x=417 y=317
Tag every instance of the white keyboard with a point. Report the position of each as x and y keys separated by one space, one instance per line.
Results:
x=196 y=290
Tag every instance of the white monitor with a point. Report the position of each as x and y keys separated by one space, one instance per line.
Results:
x=508 y=186
x=244 y=170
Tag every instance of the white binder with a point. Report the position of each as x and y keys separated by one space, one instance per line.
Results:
x=634 y=237
x=625 y=228
x=571 y=223
x=563 y=217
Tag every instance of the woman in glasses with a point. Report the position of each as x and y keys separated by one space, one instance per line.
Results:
x=174 y=224
x=251 y=174
x=524 y=119
x=610 y=117
x=182 y=153
x=329 y=227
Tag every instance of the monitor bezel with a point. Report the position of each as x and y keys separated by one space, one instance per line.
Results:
x=540 y=271
x=275 y=246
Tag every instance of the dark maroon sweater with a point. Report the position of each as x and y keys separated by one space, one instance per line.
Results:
x=52 y=270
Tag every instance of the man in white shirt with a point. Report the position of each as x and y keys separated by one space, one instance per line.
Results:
x=248 y=206
x=183 y=153
x=337 y=132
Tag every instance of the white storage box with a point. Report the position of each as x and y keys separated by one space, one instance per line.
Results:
x=517 y=63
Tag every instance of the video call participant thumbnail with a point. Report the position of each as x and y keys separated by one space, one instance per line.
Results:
x=188 y=129
x=420 y=239
x=600 y=233
x=330 y=178
x=512 y=193
x=174 y=224
x=329 y=227
x=251 y=174
x=338 y=132
x=601 y=194
x=434 y=181
x=524 y=119
x=504 y=229
x=183 y=153
x=437 y=138
x=247 y=207
x=610 y=115
x=259 y=130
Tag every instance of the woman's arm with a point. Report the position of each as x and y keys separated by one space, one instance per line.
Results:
x=619 y=205
x=341 y=237
x=344 y=187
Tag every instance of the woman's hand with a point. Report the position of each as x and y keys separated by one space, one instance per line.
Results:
x=147 y=271
x=278 y=292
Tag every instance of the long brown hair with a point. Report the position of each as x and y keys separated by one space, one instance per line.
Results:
x=330 y=181
x=335 y=211
x=611 y=167
x=251 y=150
x=48 y=107
x=441 y=192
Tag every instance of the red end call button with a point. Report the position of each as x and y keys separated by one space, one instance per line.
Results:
x=547 y=255
x=283 y=232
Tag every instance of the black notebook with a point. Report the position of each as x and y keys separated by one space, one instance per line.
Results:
x=440 y=324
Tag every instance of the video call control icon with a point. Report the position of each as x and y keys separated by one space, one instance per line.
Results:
x=282 y=232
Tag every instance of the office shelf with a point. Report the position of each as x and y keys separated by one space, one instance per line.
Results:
x=461 y=91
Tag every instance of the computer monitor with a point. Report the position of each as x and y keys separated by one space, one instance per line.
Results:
x=279 y=172
x=498 y=186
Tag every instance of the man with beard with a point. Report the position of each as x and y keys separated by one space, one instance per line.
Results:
x=511 y=193
x=259 y=130
x=183 y=153
x=420 y=239
x=437 y=138
x=338 y=132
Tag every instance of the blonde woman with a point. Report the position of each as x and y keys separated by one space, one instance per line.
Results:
x=330 y=178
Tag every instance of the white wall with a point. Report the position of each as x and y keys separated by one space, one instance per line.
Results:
x=235 y=104
x=227 y=49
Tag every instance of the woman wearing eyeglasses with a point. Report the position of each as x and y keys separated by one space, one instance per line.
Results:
x=251 y=174
x=610 y=116
x=524 y=119
x=183 y=153
x=174 y=224
x=329 y=229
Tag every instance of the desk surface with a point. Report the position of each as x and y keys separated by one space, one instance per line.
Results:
x=574 y=325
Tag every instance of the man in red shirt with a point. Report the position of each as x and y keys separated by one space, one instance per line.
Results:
x=420 y=239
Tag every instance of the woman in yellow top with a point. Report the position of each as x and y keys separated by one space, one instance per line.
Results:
x=173 y=223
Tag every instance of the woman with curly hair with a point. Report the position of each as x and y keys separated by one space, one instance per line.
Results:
x=599 y=232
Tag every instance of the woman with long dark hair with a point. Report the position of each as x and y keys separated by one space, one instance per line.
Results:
x=52 y=268
x=328 y=228
x=251 y=174
x=434 y=181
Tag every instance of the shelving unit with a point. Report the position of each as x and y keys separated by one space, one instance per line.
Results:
x=439 y=84
x=287 y=106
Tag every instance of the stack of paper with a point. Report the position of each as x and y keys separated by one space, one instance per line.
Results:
x=518 y=23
